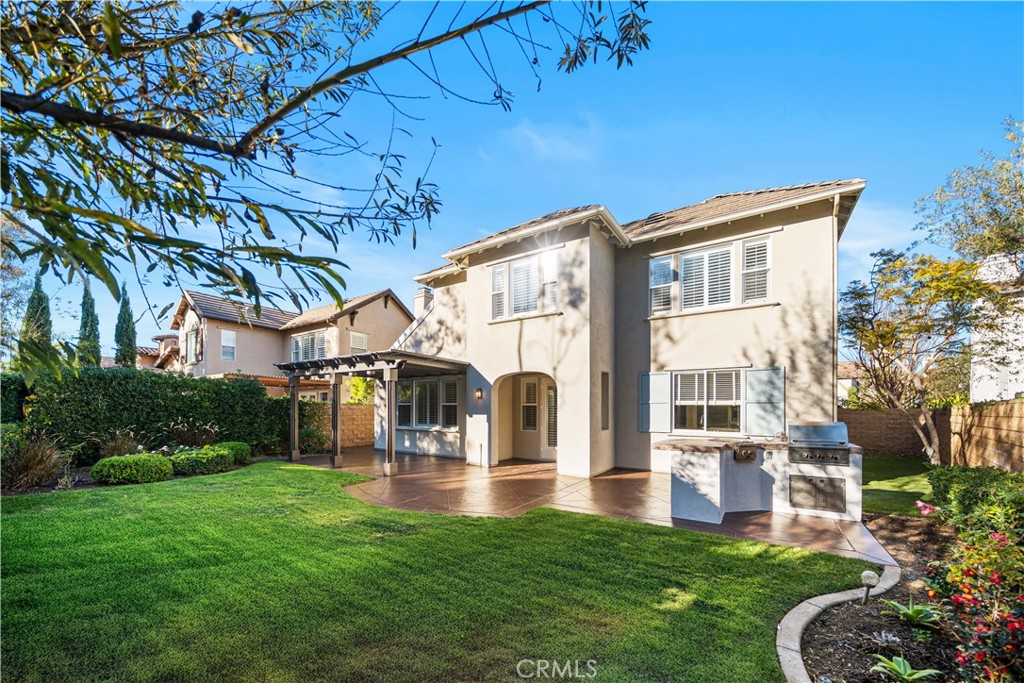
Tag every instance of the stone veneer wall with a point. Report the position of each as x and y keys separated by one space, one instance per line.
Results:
x=356 y=423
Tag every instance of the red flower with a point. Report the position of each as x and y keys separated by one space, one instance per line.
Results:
x=996 y=579
x=979 y=656
x=925 y=508
x=999 y=537
x=960 y=659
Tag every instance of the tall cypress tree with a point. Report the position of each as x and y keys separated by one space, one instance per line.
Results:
x=36 y=325
x=89 y=331
x=124 y=334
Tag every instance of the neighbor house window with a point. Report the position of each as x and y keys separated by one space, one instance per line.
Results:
x=707 y=401
x=309 y=346
x=191 y=347
x=524 y=286
x=528 y=406
x=755 y=271
x=358 y=342
x=405 y=404
x=227 y=345
x=449 y=403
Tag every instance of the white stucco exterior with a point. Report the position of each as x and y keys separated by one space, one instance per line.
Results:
x=997 y=362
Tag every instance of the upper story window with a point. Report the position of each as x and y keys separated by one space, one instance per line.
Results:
x=309 y=346
x=227 y=345
x=756 y=268
x=358 y=342
x=192 y=347
x=524 y=286
x=694 y=280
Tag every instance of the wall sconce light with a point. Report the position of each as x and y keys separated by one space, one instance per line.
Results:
x=479 y=393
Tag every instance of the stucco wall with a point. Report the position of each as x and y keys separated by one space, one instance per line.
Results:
x=795 y=330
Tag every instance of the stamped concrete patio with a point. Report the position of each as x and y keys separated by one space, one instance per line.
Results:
x=449 y=486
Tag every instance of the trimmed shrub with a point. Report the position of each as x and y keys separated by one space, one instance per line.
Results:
x=979 y=498
x=99 y=401
x=12 y=397
x=208 y=460
x=240 y=451
x=132 y=469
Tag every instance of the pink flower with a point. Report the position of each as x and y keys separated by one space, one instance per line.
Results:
x=925 y=508
x=999 y=537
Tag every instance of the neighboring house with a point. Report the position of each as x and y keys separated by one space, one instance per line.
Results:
x=849 y=378
x=220 y=338
x=997 y=361
x=575 y=339
x=162 y=358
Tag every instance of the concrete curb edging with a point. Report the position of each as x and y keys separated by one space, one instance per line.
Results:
x=791 y=629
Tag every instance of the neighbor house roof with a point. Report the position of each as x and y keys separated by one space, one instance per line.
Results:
x=330 y=312
x=219 y=308
x=849 y=370
x=146 y=351
x=724 y=206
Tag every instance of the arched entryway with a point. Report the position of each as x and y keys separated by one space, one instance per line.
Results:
x=525 y=414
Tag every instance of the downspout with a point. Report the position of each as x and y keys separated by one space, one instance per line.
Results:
x=835 y=305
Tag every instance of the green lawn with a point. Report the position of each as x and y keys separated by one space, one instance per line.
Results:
x=892 y=484
x=274 y=573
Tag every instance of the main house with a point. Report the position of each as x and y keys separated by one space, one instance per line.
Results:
x=220 y=338
x=576 y=339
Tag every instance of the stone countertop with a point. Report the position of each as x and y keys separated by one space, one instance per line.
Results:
x=708 y=445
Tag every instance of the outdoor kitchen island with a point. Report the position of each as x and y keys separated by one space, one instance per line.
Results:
x=816 y=472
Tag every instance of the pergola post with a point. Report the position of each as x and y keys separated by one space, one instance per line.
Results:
x=293 y=418
x=390 y=406
x=336 y=380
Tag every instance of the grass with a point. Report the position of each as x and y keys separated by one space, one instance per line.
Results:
x=274 y=573
x=893 y=483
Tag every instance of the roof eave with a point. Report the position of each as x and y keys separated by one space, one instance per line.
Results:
x=855 y=188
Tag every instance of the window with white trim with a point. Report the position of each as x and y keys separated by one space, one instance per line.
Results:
x=309 y=346
x=428 y=403
x=528 y=406
x=192 y=347
x=425 y=399
x=756 y=271
x=227 y=345
x=405 y=404
x=706 y=278
x=358 y=342
x=707 y=400
x=525 y=286
x=661 y=275
x=449 y=403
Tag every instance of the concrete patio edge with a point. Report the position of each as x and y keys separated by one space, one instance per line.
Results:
x=791 y=629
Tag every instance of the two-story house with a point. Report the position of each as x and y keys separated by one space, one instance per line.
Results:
x=221 y=338
x=576 y=339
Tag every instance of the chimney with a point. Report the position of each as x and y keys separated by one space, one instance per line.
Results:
x=421 y=299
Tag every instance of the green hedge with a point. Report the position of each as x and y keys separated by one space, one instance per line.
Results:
x=12 y=438
x=97 y=401
x=12 y=397
x=208 y=460
x=979 y=497
x=142 y=468
x=239 y=451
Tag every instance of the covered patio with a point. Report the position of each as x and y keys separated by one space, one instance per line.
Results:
x=447 y=486
x=384 y=366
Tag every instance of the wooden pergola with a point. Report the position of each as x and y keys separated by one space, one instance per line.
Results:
x=384 y=366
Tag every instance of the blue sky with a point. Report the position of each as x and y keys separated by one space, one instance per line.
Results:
x=730 y=97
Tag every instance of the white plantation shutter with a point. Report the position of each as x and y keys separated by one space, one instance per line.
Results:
x=719 y=277
x=358 y=342
x=552 y=416
x=426 y=403
x=498 y=292
x=724 y=387
x=529 y=406
x=524 y=286
x=296 y=350
x=549 y=280
x=449 y=403
x=661 y=278
x=321 y=344
x=693 y=280
x=755 y=271
x=689 y=389
x=308 y=346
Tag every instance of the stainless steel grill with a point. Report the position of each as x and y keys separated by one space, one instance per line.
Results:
x=822 y=443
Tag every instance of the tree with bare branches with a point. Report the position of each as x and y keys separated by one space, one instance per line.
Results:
x=175 y=138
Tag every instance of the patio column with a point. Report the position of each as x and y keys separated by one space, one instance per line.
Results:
x=391 y=392
x=336 y=380
x=293 y=418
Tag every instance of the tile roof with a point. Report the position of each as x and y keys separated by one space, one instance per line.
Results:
x=219 y=308
x=533 y=222
x=330 y=312
x=729 y=203
x=147 y=351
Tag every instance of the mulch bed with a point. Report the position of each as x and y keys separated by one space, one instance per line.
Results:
x=838 y=645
